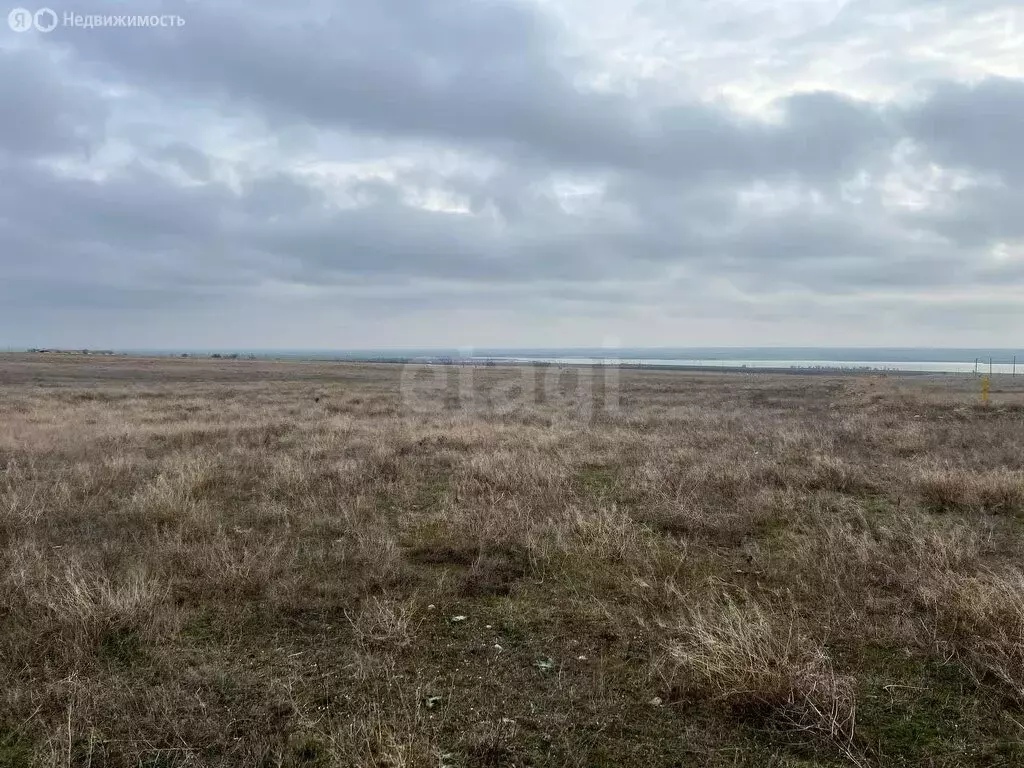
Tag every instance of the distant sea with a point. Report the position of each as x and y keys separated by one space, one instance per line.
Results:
x=916 y=359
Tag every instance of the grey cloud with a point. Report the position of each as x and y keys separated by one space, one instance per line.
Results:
x=130 y=209
x=484 y=74
x=979 y=216
x=40 y=111
x=194 y=238
x=976 y=126
x=188 y=158
x=465 y=103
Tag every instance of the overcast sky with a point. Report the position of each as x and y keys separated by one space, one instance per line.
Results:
x=515 y=173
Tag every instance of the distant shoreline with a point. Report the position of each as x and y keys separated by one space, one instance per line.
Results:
x=813 y=367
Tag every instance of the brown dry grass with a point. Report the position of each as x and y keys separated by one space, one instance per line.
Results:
x=202 y=565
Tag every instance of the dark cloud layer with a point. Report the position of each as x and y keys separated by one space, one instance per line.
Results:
x=977 y=126
x=476 y=161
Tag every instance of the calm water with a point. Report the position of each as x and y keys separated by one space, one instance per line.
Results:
x=874 y=365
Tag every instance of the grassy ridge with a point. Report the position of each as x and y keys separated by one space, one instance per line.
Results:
x=284 y=564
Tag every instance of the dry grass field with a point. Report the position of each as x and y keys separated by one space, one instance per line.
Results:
x=249 y=563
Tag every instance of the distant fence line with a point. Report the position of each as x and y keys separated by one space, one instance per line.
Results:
x=993 y=366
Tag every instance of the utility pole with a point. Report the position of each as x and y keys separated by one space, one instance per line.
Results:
x=975 y=366
x=990 y=366
x=1014 y=366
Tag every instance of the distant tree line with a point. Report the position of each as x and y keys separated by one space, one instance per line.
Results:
x=46 y=350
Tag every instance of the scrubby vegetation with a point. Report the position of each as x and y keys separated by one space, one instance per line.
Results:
x=221 y=563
